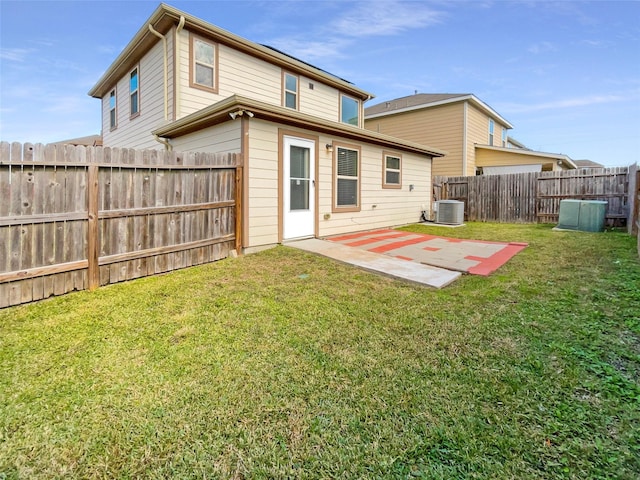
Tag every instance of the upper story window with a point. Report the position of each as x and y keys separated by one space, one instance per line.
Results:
x=346 y=181
x=491 y=129
x=349 y=110
x=504 y=137
x=290 y=84
x=134 y=93
x=391 y=171
x=203 y=71
x=113 y=114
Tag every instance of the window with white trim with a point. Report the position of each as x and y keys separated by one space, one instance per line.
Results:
x=491 y=129
x=113 y=112
x=392 y=171
x=203 y=72
x=347 y=179
x=134 y=92
x=349 y=110
x=290 y=91
x=504 y=137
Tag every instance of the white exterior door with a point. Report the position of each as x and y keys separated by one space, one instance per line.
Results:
x=299 y=188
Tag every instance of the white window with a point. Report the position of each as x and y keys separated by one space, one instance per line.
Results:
x=113 y=113
x=504 y=137
x=491 y=129
x=347 y=179
x=203 y=72
x=290 y=91
x=392 y=171
x=349 y=110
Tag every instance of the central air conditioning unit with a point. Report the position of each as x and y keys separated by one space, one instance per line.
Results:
x=450 y=212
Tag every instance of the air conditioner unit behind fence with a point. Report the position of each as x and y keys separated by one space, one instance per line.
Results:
x=450 y=212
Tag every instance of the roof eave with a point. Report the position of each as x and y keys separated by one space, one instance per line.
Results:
x=165 y=17
x=220 y=111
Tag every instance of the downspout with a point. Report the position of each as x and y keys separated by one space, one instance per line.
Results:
x=165 y=142
x=176 y=68
x=166 y=92
x=464 y=140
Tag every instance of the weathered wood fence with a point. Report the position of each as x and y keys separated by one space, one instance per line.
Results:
x=74 y=218
x=535 y=197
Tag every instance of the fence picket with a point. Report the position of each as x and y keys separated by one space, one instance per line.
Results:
x=61 y=219
x=535 y=197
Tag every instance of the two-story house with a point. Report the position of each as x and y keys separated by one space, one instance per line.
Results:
x=310 y=166
x=472 y=133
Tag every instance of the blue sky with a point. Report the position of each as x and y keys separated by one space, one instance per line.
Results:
x=566 y=74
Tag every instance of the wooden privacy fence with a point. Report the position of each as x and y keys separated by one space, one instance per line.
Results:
x=535 y=197
x=73 y=218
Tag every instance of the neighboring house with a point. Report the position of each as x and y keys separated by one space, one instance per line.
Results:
x=472 y=133
x=310 y=166
x=588 y=164
x=88 y=141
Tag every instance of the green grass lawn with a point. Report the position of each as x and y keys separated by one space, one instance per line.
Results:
x=287 y=365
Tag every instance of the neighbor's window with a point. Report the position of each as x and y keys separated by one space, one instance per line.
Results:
x=347 y=179
x=349 y=110
x=113 y=117
x=491 y=128
x=203 y=71
x=134 y=92
x=504 y=137
x=392 y=171
x=290 y=91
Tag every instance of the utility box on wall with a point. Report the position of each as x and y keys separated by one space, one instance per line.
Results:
x=582 y=215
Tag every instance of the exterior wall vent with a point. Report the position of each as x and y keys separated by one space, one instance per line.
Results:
x=450 y=212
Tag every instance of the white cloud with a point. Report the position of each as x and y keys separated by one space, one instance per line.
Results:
x=542 y=47
x=385 y=18
x=364 y=19
x=566 y=103
x=15 y=54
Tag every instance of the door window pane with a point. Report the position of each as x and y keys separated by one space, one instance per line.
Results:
x=299 y=194
x=299 y=163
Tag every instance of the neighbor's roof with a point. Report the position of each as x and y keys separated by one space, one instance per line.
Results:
x=426 y=100
x=522 y=151
x=89 y=141
x=588 y=164
x=166 y=17
x=219 y=112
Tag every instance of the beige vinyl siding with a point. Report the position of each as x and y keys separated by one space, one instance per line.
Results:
x=263 y=183
x=223 y=138
x=477 y=133
x=494 y=158
x=136 y=132
x=323 y=101
x=439 y=127
x=393 y=206
x=242 y=74
x=238 y=73
x=380 y=208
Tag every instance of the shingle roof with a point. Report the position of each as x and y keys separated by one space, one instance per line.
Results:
x=412 y=101
x=426 y=100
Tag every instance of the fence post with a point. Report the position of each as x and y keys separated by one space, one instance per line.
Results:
x=632 y=199
x=239 y=207
x=92 y=231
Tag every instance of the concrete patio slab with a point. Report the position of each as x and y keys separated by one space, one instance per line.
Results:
x=470 y=256
x=374 y=262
